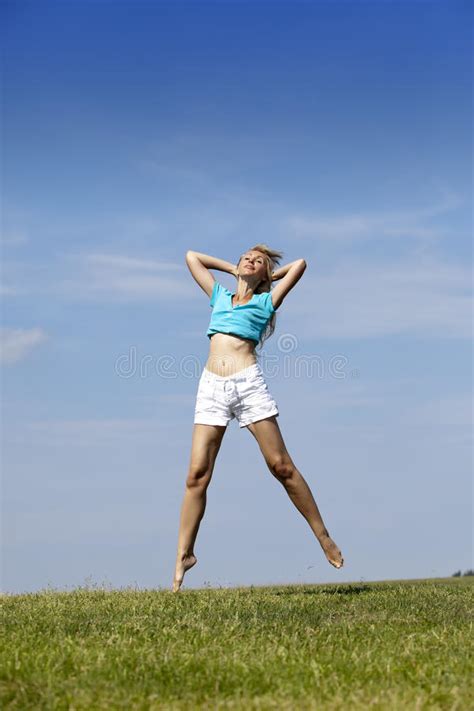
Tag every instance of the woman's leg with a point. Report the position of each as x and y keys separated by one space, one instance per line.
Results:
x=206 y=443
x=269 y=438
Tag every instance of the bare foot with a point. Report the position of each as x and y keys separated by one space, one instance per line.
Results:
x=333 y=554
x=183 y=563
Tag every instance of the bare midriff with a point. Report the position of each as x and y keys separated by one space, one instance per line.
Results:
x=228 y=354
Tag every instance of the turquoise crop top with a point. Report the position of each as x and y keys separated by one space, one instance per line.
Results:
x=246 y=320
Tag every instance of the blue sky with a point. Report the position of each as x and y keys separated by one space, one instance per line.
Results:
x=339 y=132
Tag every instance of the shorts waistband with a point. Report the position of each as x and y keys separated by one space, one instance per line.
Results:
x=239 y=375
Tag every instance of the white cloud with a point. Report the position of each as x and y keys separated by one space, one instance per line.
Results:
x=116 y=261
x=445 y=410
x=92 y=432
x=373 y=225
x=98 y=276
x=13 y=238
x=90 y=524
x=178 y=398
x=360 y=300
x=115 y=276
x=10 y=290
x=16 y=344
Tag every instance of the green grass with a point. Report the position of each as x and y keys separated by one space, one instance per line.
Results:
x=383 y=645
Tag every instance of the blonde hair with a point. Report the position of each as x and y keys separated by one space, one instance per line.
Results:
x=272 y=260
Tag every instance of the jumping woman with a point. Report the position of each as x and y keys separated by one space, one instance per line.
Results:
x=232 y=385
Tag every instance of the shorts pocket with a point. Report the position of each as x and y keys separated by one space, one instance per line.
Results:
x=205 y=401
x=254 y=385
x=256 y=376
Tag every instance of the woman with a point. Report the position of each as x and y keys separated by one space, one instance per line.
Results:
x=232 y=385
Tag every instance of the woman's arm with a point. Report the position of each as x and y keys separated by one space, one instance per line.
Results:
x=282 y=271
x=214 y=262
x=290 y=275
x=199 y=265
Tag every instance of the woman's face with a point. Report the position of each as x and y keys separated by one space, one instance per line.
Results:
x=253 y=263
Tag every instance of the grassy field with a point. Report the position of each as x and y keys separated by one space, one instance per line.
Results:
x=384 y=645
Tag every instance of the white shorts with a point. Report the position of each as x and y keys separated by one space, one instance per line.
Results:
x=243 y=395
